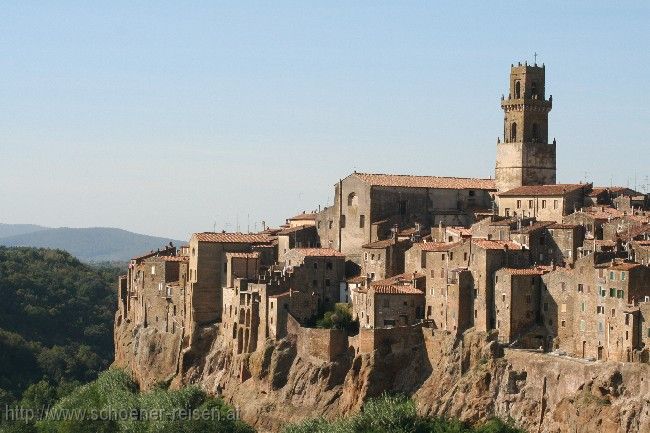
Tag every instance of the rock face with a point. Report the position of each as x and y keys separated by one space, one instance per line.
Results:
x=470 y=378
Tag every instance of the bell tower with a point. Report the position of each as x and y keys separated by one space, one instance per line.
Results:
x=524 y=155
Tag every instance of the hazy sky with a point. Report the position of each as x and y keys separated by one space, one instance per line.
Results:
x=168 y=117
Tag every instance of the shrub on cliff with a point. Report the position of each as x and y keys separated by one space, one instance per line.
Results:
x=339 y=318
x=112 y=404
x=395 y=414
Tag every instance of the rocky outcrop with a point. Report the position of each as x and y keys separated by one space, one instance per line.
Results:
x=470 y=378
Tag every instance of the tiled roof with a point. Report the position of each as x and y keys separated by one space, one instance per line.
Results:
x=318 y=252
x=436 y=246
x=539 y=270
x=167 y=250
x=253 y=255
x=409 y=181
x=625 y=266
x=538 y=225
x=175 y=258
x=491 y=244
x=291 y=230
x=603 y=212
x=395 y=289
x=304 y=217
x=636 y=231
x=357 y=280
x=462 y=231
x=382 y=244
x=564 y=226
x=239 y=238
x=544 y=190
x=395 y=279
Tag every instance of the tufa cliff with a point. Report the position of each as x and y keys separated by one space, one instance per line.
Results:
x=321 y=372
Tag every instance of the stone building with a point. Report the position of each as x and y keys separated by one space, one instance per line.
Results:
x=518 y=294
x=544 y=202
x=208 y=268
x=525 y=156
x=299 y=236
x=389 y=303
x=317 y=270
x=367 y=206
x=384 y=259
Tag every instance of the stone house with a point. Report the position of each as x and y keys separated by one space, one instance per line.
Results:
x=518 y=294
x=384 y=259
x=208 y=270
x=302 y=220
x=317 y=270
x=388 y=304
x=543 y=202
x=299 y=236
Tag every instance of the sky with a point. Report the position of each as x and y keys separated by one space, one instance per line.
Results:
x=169 y=117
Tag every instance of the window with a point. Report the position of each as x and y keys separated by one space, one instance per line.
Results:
x=507 y=212
x=330 y=224
x=620 y=294
x=533 y=90
x=193 y=252
x=513 y=131
x=563 y=286
x=402 y=207
x=582 y=325
x=503 y=297
x=563 y=323
x=352 y=199
x=362 y=221
x=464 y=257
x=600 y=309
x=612 y=292
x=613 y=312
x=328 y=265
x=602 y=291
x=315 y=265
x=581 y=288
x=563 y=308
x=153 y=270
x=517 y=89
x=342 y=221
x=622 y=276
x=472 y=193
x=555 y=203
x=530 y=204
x=535 y=132
x=582 y=306
x=543 y=204
x=372 y=257
x=601 y=328
x=451 y=256
x=518 y=204
x=612 y=276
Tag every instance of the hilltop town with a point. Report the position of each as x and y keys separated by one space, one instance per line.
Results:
x=400 y=262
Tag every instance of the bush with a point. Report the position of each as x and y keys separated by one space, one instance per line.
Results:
x=339 y=318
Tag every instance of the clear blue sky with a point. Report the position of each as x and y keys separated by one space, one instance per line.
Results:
x=166 y=117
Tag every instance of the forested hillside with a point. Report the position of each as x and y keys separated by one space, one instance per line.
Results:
x=56 y=320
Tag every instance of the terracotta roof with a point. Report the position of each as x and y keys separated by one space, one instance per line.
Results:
x=175 y=258
x=318 y=252
x=382 y=244
x=491 y=244
x=395 y=289
x=253 y=255
x=636 y=231
x=539 y=270
x=643 y=243
x=538 y=225
x=304 y=217
x=544 y=190
x=462 y=231
x=625 y=266
x=603 y=212
x=239 y=238
x=436 y=246
x=564 y=226
x=395 y=279
x=166 y=250
x=291 y=230
x=409 y=181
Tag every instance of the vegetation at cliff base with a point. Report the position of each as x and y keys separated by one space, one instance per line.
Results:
x=56 y=322
x=395 y=414
x=112 y=404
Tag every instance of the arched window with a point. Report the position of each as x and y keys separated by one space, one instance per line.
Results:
x=517 y=89
x=353 y=200
x=533 y=89
x=535 y=132
x=513 y=131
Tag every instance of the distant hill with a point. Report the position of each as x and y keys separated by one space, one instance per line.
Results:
x=96 y=244
x=18 y=229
